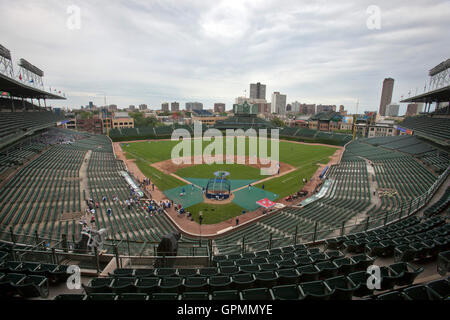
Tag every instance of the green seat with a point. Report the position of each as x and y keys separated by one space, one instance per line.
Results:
x=257 y=294
x=242 y=281
x=70 y=297
x=250 y=268
x=165 y=272
x=98 y=285
x=334 y=254
x=333 y=244
x=181 y=272
x=45 y=270
x=394 y=295
x=345 y=265
x=362 y=261
x=101 y=296
x=259 y=260
x=249 y=255
x=263 y=253
x=404 y=253
x=303 y=260
x=133 y=297
x=319 y=257
x=288 y=276
x=287 y=292
x=219 y=283
x=420 y=292
x=274 y=258
x=443 y=264
x=194 y=296
x=327 y=269
x=123 y=285
x=308 y=273
x=226 y=295
x=228 y=271
x=242 y=262
x=147 y=285
x=268 y=266
x=28 y=267
x=122 y=273
x=287 y=264
x=144 y=273
x=441 y=288
x=195 y=284
x=226 y=263
x=315 y=290
x=9 y=282
x=266 y=279
x=164 y=296
x=60 y=274
x=406 y=272
x=171 y=285
x=33 y=286
x=359 y=280
x=389 y=278
x=312 y=251
x=343 y=288
x=208 y=272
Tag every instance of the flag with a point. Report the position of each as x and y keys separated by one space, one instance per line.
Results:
x=20 y=76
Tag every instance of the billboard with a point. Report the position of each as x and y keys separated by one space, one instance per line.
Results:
x=347 y=119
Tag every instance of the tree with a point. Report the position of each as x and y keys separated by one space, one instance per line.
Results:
x=277 y=122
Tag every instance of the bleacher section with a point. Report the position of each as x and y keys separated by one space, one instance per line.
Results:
x=243 y=122
x=17 y=124
x=310 y=135
x=434 y=128
x=141 y=133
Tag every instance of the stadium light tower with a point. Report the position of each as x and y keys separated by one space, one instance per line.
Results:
x=31 y=74
x=6 y=65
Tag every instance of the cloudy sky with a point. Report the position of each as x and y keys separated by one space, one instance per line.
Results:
x=210 y=51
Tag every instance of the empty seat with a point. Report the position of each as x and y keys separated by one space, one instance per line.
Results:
x=171 y=285
x=9 y=282
x=287 y=292
x=343 y=288
x=359 y=280
x=97 y=285
x=250 y=268
x=406 y=272
x=208 y=272
x=242 y=281
x=441 y=288
x=420 y=292
x=165 y=272
x=308 y=273
x=122 y=273
x=268 y=266
x=288 y=276
x=345 y=265
x=133 y=297
x=443 y=264
x=147 y=285
x=70 y=297
x=33 y=286
x=257 y=294
x=394 y=295
x=164 y=296
x=315 y=290
x=186 y=272
x=101 y=296
x=195 y=284
x=266 y=279
x=362 y=261
x=228 y=271
x=123 y=285
x=225 y=295
x=144 y=273
x=219 y=283
x=194 y=296
x=327 y=269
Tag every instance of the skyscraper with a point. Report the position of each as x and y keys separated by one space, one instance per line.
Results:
x=386 y=95
x=219 y=107
x=278 y=103
x=165 y=106
x=392 y=110
x=175 y=106
x=257 y=91
x=190 y=106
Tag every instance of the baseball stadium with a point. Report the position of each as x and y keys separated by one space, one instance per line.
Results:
x=140 y=225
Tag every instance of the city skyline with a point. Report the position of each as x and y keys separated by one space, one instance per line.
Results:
x=122 y=50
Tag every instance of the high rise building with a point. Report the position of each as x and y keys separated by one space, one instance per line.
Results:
x=278 y=103
x=386 y=95
x=142 y=107
x=165 y=106
x=392 y=110
x=308 y=109
x=295 y=106
x=325 y=108
x=175 y=106
x=257 y=91
x=219 y=107
x=132 y=107
x=190 y=106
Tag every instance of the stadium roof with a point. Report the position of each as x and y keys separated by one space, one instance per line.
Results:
x=441 y=95
x=18 y=89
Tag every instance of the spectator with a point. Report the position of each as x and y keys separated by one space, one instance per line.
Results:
x=108 y=212
x=104 y=199
x=237 y=221
x=153 y=187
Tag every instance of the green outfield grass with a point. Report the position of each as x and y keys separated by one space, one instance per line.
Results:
x=161 y=180
x=214 y=213
x=294 y=154
x=206 y=171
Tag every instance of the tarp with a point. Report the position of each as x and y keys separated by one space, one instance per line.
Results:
x=265 y=203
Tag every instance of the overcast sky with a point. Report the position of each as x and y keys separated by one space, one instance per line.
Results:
x=210 y=51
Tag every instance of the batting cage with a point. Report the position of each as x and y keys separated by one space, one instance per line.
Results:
x=218 y=188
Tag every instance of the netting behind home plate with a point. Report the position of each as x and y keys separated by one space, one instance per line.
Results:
x=218 y=187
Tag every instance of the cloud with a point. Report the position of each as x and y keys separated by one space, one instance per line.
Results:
x=154 y=51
